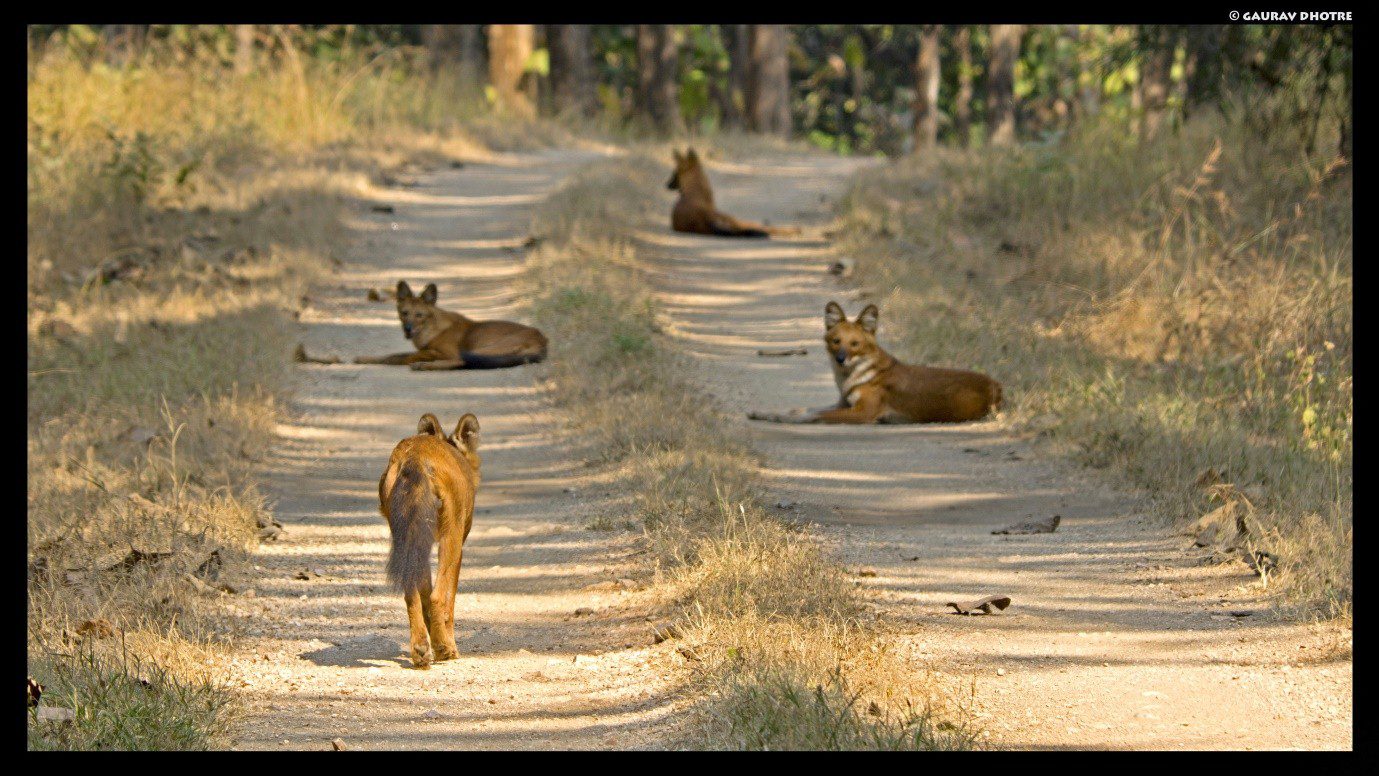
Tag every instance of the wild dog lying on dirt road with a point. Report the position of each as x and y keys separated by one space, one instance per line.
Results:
x=427 y=496
x=876 y=388
x=694 y=211
x=448 y=340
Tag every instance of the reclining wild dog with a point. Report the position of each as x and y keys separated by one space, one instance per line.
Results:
x=427 y=496
x=694 y=211
x=874 y=387
x=448 y=340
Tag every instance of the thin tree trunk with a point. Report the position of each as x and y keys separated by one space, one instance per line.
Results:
x=733 y=99
x=509 y=48
x=245 y=35
x=123 y=42
x=1156 y=46
x=768 y=80
x=1203 y=83
x=1000 y=93
x=1065 y=102
x=962 y=104
x=470 y=45
x=926 y=89
x=1088 y=76
x=658 y=64
x=572 y=69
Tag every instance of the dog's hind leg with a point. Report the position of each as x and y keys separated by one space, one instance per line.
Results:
x=419 y=613
x=451 y=556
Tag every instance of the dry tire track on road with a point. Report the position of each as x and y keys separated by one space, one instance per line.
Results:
x=324 y=657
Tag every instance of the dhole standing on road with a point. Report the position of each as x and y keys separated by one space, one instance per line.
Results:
x=874 y=387
x=427 y=496
x=694 y=211
x=448 y=340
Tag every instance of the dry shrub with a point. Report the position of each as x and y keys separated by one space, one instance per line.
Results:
x=1158 y=309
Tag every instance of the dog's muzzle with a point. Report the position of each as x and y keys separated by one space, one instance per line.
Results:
x=406 y=331
x=841 y=356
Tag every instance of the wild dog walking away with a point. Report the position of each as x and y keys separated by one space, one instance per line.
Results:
x=874 y=387
x=449 y=340
x=427 y=496
x=694 y=211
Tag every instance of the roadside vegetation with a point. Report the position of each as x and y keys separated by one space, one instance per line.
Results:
x=785 y=654
x=1178 y=311
x=177 y=213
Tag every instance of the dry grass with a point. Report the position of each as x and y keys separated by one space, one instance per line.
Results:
x=177 y=216
x=1162 y=311
x=789 y=656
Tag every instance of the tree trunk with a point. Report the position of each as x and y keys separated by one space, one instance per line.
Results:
x=1088 y=74
x=733 y=99
x=658 y=64
x=1156 y=46
x=1204 y=46
x=439 y=44
x=1000 y=91
x=1065 y=100
x=768 y=80
x=509 y=48
x=962 y=104
x=572 y=69
x=469 y=42
x=926 y=89
x=123 y=42
x=245 y=35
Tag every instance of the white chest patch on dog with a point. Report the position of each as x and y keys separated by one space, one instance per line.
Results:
x=862 y=374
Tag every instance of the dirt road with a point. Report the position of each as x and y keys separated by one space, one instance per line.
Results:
x=324 y=656
x=1117 y=637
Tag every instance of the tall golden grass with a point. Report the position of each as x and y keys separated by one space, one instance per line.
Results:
x=1179 y=312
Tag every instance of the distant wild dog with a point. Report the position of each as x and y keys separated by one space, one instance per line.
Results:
x=694 y=211
x=448 y=340
x=427 y=496
x=876 y=388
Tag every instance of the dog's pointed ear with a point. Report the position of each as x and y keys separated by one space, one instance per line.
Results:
x=833 y=315
x=868 y=318
x=691 y=156
x=404 y=291
x=430 y=424
x=466 y=433
x=429 y=294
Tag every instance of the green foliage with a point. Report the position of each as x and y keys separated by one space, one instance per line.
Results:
x=853 y=86
x=125 y=704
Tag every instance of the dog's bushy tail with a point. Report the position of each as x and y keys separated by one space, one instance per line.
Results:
x=414 y=510
x=477 y=361
x=739 y=231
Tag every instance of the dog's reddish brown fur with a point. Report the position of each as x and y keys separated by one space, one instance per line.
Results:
x=694 y=211
x=448 y=340
x=875 y=387
x=427 y=496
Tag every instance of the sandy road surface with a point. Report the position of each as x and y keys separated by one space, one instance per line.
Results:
x=1117 y=637
x=324 y=657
